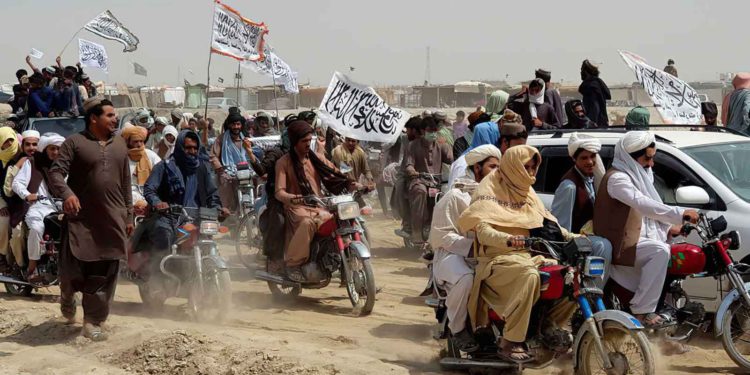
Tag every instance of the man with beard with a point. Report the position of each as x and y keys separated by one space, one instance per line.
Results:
x=736 y=105
x=226 y=152
x=400 y=199
x=595 y=94
x=302 y=173
x=576 y=114
x=141 y=162
x=31 y=185
x=451 y=267
x=98 y=207
x=535 y=112
x=354 y=157
x=710 y=113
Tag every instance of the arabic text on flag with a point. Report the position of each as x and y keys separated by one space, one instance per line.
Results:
x=92 y=55
x=107 y=26
x=236 y=36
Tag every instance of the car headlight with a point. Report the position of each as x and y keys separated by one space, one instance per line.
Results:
x=348 y=210
x=209 y=227
x=594 y=267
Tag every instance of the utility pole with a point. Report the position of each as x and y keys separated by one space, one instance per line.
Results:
x=427 y=73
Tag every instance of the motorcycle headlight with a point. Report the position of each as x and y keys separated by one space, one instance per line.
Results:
x=348 y=210
x=594 y=267
x=243 y=174
x=209 y=228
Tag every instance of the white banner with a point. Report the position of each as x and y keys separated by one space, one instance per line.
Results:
x=675 y=100
x=35 y=53
x=236 y=36
x=92 y=55
x=274 y=66
x=357 y=111
x=107 y=26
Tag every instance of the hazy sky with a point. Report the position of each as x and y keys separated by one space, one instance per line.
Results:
x=386 y=40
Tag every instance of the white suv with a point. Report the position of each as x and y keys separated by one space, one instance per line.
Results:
x=714 y=165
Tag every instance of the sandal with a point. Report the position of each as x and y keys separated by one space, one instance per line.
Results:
x=656 y=321
x=517 y=354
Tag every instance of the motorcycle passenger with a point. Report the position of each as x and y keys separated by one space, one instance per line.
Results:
x=8 y=151
x=30 y=184
x=424 y=155
x=226 y=152
x=264 y=125
x=505 y=207
x=142 y=162
x=16 y=206
x=630 y=214
x=400 y=200
x=573 y=205
x=184 y=179
x=165 y=147
x=302 y=173
x=353 y=156
x=452 y=247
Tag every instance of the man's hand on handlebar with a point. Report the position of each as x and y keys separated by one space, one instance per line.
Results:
x=161 y=206
x=72 y=205
x=691 y=216
x=224 y=213
x=517 y=242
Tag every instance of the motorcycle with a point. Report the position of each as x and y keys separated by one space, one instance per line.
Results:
x=247 y=238
x=602 y=340
x=193 y=268
x=434 y=193
x=337 y=246
x=17 y=281
x=711 y=259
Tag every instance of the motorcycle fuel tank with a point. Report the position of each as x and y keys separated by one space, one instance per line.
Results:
x=686 y=259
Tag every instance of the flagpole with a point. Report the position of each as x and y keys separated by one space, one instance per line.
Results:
x=210 y=54
x=70 y=41
x=275 y=100
x=238 y=82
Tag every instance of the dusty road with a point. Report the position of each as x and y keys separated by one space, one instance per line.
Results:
x=314 y=335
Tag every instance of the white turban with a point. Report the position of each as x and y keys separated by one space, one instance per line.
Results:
x=169 y=129
x=50 y=139
x=583 y=141
x=30 y=134
x=481 y=153
x=637 y=140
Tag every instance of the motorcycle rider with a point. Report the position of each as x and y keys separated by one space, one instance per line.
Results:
x=506 y=208
x=400 y=200
x=452 y=247
x=142 y=162
x=302 y=173
x=573 y=205
x=424 y=155
x=184 y=179
x=31 y=184
x=226 y=152
x=352 y=155
x=630 y=214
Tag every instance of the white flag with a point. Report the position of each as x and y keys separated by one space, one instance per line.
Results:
x=236 y=36
x=357 y=111
x=93 y=55
x=676 y=101
x=35 y=53
x=107 y=26
x=273 y=66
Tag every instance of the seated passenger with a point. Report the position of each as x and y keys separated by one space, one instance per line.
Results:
x=31 y=185
x=452 y=247
x=142 y=161
x=505 y=208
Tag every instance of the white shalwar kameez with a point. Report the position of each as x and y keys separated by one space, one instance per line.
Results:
x=451 y=270
x=37 y=212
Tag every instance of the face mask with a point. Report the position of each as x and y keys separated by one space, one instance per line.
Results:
x=431 y=137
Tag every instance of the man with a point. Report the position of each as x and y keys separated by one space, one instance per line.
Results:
x=710 y=113
x=424 y=155
x=670 y=68
x=573 y=205
x=400 y=199
x=302 y=173
x=20 y=96
x=576 y=114
x=445 y=134
x=630 y=214
x=351 y=155
x=176 y=117
x=535 y=112
x=184 y=179
x=156 y=133
x=512 y=133
x=460 y=126
x=263 y=125
x=68 y=100
x=450 y=266
x=551 y=95
x=40 y=98
x=736 y=105
x=496 y=104
x=226 y=152
x=463 y=143
x=210 y=128
x=88 y=85
x=141 y=162
x=638 y=118
x=98 y=208
x=595 y=94
x=31 y=185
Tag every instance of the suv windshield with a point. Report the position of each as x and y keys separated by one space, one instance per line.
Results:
x=65 y=126
x=728 y=162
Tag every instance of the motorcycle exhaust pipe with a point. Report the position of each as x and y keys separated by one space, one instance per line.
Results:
x=169 y=274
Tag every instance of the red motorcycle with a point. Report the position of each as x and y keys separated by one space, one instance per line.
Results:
x=712 y=259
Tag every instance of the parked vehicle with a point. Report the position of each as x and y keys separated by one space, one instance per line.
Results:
x=713 y=162
x=65 y=126
x=224 y=103
x=337 y=246
x=602 y=341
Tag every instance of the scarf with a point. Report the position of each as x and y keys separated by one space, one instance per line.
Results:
x=9 y=153
x=575 y=122
x=496 y=103
x=506 y=197
x=537 y=99
x=181 y=170
x=231 y=155
x=333 y=180
x=143 y=165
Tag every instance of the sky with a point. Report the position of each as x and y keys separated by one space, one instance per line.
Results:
x=386 y=40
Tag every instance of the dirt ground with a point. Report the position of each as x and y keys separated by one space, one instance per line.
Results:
x=317 y=334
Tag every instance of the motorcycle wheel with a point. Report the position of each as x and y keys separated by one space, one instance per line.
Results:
x=247 y=243
x=215 y=301
x=360 y=280
x=735 y=328
x=628 y=350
